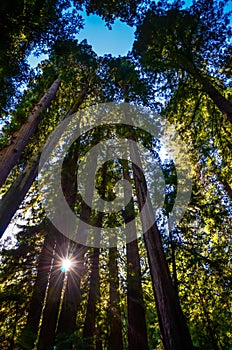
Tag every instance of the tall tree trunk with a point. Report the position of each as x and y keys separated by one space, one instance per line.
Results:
x=89 y=330
x=10 y=155
x=174 y=330
x=72 y=294
x=137 y=330
x=31 y=330
x=115 y=337
x=52 y=303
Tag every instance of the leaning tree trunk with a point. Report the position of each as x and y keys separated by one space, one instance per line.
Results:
x=11 y=201
x=174 y=330
x=137 y=329
x=10 y=155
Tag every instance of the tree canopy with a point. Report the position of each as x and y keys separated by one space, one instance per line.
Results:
x=148 y=284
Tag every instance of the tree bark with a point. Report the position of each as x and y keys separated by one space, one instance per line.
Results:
x=16 y=194
x=227 y=188
x=173 y=255
x=52 y=303
x=115 y=337
x=89 y=330
x=31 y=330
x=220 y=101
x=72 y=293
x=174 y=331
x=137 y=329
x=10 y=155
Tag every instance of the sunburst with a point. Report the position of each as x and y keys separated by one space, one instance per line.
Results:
x=66 y=265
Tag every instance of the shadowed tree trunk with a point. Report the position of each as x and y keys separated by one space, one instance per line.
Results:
x=72 y=294
x=220 y=101
x=16 y=194
x=52 y=303
x=115 y=337
x=174 y=330
x=173 y=255
x=89 y=330
x=227 y=187
x=91 y=334
x=99 y=345
x=10 y=155
x=137 y=330
x=31 y=330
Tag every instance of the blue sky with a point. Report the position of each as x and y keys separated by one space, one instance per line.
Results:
x=117 y=41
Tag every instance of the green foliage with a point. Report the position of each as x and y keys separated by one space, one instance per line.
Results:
x=170 y=42
x=28 y=26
